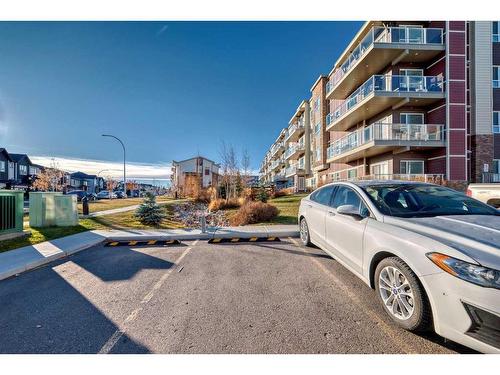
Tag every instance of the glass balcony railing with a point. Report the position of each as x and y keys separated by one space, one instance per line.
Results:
x=388 y=83
x=293 y=128
x=379 y=34
x=293 y=148
x=386 y=132
x=276 y=147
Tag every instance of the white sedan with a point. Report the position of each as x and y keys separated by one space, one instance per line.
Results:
x=431 y=253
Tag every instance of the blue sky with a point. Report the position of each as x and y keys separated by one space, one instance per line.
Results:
x=170 y=90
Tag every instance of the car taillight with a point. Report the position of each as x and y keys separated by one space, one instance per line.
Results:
x=469 y=193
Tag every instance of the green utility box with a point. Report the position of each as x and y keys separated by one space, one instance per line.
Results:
x=52 y=209
x=11 y=211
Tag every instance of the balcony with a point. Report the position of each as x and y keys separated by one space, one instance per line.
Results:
x=295 y=169
x=381 y=92
x=281 y=176
x=294 y=151
x=437 y=179
x=277 y=149
x=381 y=47
x=295 y=131
x=278 y=163
x=380 y=138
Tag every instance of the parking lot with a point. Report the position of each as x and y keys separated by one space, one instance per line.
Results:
x=275 y=297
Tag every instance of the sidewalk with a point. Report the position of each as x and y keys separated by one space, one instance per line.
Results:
x=112 y=211
x=26 y=258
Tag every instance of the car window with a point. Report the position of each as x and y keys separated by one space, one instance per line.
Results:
x=347 y=196
x=415 y=200
x=323 y=195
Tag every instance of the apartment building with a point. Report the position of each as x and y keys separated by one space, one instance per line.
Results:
x=410 y=100
x=298 y=148
x=196 y=172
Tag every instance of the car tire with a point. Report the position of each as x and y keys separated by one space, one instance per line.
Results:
x=420 y=318
x=304 y=232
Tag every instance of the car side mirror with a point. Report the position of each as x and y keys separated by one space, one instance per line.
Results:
x=349 y=210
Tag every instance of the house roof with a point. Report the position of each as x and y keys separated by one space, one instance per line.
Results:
x=18 y=157
x=7 y=155
x=82 y=175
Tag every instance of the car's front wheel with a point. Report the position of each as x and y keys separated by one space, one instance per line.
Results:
x=304 y=232
x=402 y=295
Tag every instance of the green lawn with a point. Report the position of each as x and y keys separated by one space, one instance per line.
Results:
x=288 y=207
x=115 y=221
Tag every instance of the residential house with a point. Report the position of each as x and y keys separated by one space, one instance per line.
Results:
x=87 y=182
x=24 y=170
x=7 y=173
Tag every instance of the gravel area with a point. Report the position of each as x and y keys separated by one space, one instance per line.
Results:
x=190 y=214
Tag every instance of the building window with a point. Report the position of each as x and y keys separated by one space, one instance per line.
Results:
x=2 y=166
x=23 y=170
x=352 y=174
x=496 y=76
x=318 y=155
x=317 y=128
x=412 y=72
x=411 y=167
x=496 y=166
x=496 y=122
x=207 y=172
x=495 y=33
x=335 y=176
x=411 y=118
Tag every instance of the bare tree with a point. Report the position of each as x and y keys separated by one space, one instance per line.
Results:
x=230 y=169
x=245 y=166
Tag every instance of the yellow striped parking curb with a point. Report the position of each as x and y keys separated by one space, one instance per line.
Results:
x=239 y=239
x=142 y=243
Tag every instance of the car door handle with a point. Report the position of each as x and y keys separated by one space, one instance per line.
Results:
x=331 y=213
x=309 y=206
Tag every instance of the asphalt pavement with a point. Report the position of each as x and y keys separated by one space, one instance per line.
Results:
x=200 y=298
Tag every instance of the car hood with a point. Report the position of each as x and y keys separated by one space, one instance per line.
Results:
x=476 y=236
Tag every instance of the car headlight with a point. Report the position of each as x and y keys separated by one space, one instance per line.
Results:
x=472 y=273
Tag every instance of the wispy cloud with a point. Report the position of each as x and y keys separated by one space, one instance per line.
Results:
x=162 y=30
x=135 y=171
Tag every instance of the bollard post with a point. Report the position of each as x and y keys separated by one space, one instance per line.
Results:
x=85 y=206
x=203 y=222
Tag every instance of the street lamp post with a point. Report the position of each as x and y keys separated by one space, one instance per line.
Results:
x=124 y=175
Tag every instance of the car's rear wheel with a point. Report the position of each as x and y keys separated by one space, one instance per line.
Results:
x=402 y=295
x=304 y=232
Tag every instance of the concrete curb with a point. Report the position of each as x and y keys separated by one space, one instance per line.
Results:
x=27 y=258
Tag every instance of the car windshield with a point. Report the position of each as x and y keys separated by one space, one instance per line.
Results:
x=419 y=200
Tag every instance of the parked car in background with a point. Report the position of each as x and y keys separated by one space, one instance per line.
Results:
x=431 y=253
x=120 y=194
x=105 y=194
x=82 y=193
x=486 y=193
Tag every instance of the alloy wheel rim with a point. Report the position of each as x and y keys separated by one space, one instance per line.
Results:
x=396 y=293
x=303 y=231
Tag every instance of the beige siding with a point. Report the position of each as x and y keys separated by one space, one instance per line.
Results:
x=481 y=85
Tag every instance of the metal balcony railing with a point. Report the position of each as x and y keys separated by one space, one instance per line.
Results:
x=489 y=177
x=379 y=34
x=386 y=132
x=388 y=83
